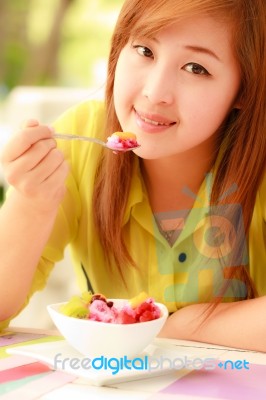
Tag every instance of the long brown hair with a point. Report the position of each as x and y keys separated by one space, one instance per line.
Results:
x=244 y=155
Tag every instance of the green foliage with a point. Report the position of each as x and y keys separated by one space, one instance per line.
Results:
x=55 y=42
x=1 y=194
x=15 y=56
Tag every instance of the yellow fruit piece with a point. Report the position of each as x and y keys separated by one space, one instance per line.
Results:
x=134 y=302
x=125 y=135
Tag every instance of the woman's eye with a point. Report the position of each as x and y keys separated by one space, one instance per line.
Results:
x=196 y=69
x=143 y=51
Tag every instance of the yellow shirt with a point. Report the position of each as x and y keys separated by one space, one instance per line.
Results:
x=188 y=272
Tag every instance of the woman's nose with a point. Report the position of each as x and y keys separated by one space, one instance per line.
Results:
x=159 y=86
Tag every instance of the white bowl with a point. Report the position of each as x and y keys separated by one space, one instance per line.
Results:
x=94 y=338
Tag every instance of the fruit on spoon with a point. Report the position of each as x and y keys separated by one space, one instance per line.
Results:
x=122 y=140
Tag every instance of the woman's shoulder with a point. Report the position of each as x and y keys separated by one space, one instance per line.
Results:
x=87 y=105
x=88 y=108
x=84 y=118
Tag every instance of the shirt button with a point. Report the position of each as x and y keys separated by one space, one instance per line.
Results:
x=182 y=257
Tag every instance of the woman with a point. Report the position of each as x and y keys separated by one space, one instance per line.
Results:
x=183 y=77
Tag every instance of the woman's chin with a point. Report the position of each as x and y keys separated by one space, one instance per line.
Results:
x=152 y=152
x=146 y=154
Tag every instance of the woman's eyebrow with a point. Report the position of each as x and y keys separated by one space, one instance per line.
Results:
x=198 y=49
x=203 y=50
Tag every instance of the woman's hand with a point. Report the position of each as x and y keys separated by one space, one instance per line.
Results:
x=34 y=166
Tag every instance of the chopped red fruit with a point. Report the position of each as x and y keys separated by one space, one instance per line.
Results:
x=126 y=316
x=147 y=311
x=129 y=312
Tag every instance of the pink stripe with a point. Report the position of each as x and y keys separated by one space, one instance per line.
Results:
x=33 y=390
x=23 y=371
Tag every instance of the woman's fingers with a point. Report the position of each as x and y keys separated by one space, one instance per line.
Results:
x=29 y=159
x=23 y=140
x=33 y=164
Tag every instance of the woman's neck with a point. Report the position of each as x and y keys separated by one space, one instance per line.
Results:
x=166 y=178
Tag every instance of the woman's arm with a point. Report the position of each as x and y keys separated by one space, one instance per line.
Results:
x=23 y=235
x=239 y=324
x=37 y=171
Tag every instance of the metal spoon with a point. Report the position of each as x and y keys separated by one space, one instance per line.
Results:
x=94 y=140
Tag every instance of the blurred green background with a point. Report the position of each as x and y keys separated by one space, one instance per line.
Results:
x=52 y=53
x=55 y=42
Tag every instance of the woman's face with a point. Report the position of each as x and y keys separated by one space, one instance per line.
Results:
x=175 y=90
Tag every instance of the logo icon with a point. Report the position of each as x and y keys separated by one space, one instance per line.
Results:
x=209 y=248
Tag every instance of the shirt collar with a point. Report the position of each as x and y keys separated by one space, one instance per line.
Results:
x=138 y=205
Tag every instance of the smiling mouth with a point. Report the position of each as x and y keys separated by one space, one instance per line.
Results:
x=155 y=122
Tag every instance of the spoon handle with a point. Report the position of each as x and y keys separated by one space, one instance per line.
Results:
x=76 y=137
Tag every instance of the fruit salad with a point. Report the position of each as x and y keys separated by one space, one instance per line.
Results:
x=97 y=307
x=122 y=140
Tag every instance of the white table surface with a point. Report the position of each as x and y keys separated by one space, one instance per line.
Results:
x=147 y=389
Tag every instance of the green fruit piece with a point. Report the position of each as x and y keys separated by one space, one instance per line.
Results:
x=87 y=296
x=75 y=308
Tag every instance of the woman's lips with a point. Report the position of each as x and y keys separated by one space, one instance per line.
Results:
x=152 y=123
